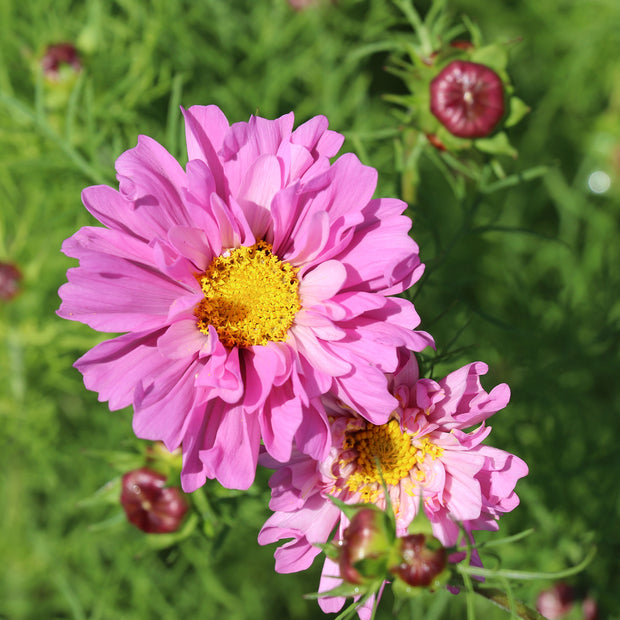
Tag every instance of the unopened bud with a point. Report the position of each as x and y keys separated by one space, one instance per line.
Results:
x=365 y=547
x=590 y=609
x=58 y=56
x=556 y=601
x=149 y=504
x=468 y=99
x=10 y=276
x=420 y=563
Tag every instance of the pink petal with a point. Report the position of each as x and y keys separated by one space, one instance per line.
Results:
x=152 y=179
x=221 y=375
x=161 y=413
x=260 y=184
x=183 y=339
x=205 y=129
x=316 y=352
x=233 y=456
x=113 y=368
x=322 y=283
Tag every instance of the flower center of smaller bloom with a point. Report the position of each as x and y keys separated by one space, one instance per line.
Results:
x=251 y=297
x=386 y=451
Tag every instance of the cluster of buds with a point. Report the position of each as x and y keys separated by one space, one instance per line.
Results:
x=370 y=552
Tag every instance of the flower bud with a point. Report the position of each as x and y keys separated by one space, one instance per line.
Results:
x=10 y=276
x=590 y=609
x=149 y=504
x=364 y=548
x=420 y=563
x=468 y=99
x=56 y=57
x=555 y=602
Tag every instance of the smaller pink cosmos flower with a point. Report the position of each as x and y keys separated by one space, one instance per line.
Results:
x=426 y=458
x=468 y=99
x=149 y=504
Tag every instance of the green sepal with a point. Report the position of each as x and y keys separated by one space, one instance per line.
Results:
x=494 y=56
x=347 y=590
x=403 y=590
x=421 y=523
x=350 y=510
x=331 y=550
x=496 y=145
x=518 y=109
x=107 y=495
x=161 y=541
x=120 y=460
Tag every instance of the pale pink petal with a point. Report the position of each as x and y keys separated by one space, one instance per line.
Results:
x=316 y=352
x=330 y=579
x=321 y=283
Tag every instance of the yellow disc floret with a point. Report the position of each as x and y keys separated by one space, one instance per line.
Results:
x=251 y=297
x=384 y=450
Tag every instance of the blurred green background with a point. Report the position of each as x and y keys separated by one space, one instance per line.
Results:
x=531 y=287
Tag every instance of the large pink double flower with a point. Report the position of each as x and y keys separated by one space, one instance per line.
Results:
x=246 y=285
x=425 y=455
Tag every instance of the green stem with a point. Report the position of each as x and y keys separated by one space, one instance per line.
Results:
x=501 y=599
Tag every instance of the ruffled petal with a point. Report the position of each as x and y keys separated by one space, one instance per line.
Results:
x=152 y=179
x=114 y=368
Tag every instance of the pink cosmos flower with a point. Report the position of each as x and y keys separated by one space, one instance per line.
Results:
x=427 y=459
x=247 y=284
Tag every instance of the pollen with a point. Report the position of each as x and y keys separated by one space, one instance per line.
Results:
x=387 y=451
x=251 y=297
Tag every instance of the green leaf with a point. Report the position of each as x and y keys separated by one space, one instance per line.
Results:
x=518 y=109
x=501 y=599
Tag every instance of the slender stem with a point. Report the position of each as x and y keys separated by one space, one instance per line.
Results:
x=501 y=599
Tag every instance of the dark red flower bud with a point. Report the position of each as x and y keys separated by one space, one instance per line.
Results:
x=420 y=564
x=364 y=547
x=468 y=99
x=57 y=55
x=149 y=504
x=555 y=602
x=10 y=276
x=590 y=609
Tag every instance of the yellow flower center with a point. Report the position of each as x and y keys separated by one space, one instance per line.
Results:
x=384 y=451
x=251 y=297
